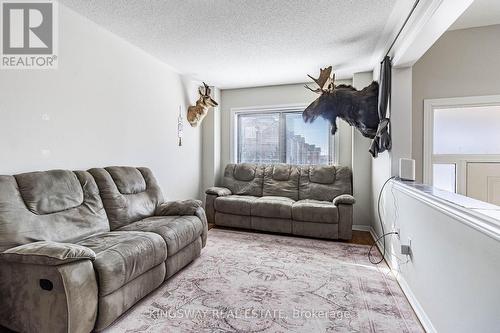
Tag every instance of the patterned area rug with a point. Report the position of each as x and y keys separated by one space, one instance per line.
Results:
x=246 y=282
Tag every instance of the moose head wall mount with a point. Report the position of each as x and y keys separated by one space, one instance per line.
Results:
x=359 y=108
x=197 y=112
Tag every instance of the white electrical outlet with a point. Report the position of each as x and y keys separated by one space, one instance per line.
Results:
x=396 y=229
x=406 y=248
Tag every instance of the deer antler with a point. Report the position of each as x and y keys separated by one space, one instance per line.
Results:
x=207 y=89
x=324 y=81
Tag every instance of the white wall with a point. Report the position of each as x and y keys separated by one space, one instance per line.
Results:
x=452 y=278
x=362 y=165
x=454 y=268
x=401 y=116
x=274 y=95
x=353 y=146
x=109 y=103
x=386 y=164
x=211 y=144
x=461 y=63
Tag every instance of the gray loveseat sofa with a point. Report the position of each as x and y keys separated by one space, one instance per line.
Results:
x=77 y=249
x=312 y=201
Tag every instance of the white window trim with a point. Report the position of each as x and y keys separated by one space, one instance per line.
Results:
x=460 y=161
x=233 y=128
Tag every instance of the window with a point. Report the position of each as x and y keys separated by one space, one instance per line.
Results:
x=259 y=138
x=281 y=136
x=306 y=143
x=466 y=130
x=462 y=145
x=444 y=177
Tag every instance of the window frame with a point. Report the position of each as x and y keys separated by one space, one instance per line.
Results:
x=460 y=160
x=333 y=147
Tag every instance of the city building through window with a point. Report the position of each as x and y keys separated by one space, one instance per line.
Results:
x=282 y=137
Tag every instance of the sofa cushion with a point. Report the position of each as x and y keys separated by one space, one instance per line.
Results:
x=281 y=180
x=245 y=171
x=128 y=194
x=50 y=191
x=324 y=174
x=244 y=179
x=315 y=211
x=235 y=204
x=324 y=183
x=281 y=172
x=278 y=207
x=70 y=209
x=121 y=256
x=177 y=231
x=128 y=180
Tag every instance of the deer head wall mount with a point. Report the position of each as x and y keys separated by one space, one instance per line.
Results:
x=359 y=108
x=197 y=112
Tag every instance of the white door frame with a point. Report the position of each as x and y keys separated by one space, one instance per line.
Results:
x=459 y=160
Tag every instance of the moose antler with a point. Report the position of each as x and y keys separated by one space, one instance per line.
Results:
x=324 y=81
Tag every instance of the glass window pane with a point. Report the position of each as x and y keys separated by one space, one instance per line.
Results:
x=444 y=177
x=307 y=143
x=469 y=130
x=258 y=138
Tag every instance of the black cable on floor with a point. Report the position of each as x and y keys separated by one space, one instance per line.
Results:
x=371 y=247
x=384 y=234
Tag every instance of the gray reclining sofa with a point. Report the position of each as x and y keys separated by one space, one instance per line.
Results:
x=77 y=249
x=312 y=201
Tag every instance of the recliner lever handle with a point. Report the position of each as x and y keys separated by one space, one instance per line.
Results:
x=46 y=284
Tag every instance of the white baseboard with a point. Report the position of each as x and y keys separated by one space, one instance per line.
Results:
x=374 y=234
x=368 y=228
x=419 y=311
x=361 y=227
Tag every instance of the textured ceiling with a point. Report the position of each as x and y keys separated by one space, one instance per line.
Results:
x=236 y=43
x=480 y=13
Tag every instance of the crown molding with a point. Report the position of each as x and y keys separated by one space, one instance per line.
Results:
x=429 y=22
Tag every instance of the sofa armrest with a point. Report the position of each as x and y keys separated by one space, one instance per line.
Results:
x=184 y=207
x=219 y=191
x=344 y=199
x=200 y=213
x=48 y=298
x=212 y=194
x=47 y=253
